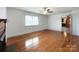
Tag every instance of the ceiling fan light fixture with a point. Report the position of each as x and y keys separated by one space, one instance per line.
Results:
x=45 y=12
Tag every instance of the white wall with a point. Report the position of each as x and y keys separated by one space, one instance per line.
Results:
x=16 y=20
x=3 y=12
x=54 y=21
x=75 y=23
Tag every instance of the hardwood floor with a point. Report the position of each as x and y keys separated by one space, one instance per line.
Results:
x=45 y=41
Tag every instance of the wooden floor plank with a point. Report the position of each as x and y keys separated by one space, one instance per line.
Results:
x=46 y=41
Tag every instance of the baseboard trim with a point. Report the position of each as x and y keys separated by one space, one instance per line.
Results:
x=25 y=34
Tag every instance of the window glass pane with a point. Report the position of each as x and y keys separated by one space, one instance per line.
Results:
x=28 y=20
x=35 y=20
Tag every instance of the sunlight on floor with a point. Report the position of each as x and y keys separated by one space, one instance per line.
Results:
x=65 y=34
x=32 y=42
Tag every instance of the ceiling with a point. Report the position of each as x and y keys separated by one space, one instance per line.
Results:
x=55 y=9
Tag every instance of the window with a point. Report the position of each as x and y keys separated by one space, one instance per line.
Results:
x=31 y=20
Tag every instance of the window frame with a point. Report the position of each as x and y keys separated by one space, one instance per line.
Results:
x=32 y=21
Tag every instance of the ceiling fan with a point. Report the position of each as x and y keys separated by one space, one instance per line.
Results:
x=46 y=10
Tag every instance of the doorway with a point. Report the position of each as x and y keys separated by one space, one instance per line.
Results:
x=66 y=24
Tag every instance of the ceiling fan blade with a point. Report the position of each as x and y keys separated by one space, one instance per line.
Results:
x=49 y=11
x=46 y=10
